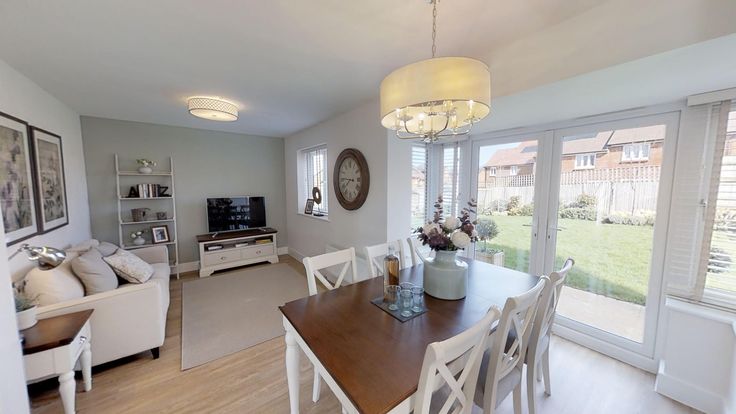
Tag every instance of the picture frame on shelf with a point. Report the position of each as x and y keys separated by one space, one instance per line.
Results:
x=51 y=201
x=309 y=206
x=17 y=180
x=160 y=234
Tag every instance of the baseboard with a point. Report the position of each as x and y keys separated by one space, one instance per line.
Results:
x=187 y=267
x=295 y=254
x=282 y=250
x=688 y=394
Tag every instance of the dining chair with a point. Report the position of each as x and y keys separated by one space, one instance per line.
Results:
x=502 y=364
x=442 y=387
x=538 y=353
x=314 y=266
x=375 y=254
x=418 y=254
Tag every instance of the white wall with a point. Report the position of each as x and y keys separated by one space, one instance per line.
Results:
x=361 y=129
x=23 y=99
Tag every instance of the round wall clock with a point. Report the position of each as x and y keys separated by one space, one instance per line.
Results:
x=351 y=179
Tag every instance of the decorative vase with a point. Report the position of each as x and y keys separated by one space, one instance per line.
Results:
x=145 y=170
x=138 y=241
x=26 y=318
x=445 y=277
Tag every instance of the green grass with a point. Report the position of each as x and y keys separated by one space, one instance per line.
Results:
x=610 y=259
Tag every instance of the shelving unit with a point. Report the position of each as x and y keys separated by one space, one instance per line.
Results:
x=125 y=178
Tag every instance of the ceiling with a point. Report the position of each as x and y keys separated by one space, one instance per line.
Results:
x=287 y=64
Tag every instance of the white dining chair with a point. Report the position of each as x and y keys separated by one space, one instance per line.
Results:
x=442 y=387
x=538 y=354
x=502 y=365
x=375 y=254
x=314 y=267
x=418 y=252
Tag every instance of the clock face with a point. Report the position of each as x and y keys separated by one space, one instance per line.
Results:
x=350 y=179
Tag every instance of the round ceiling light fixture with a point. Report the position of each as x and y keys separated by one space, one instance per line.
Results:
x=214 y=109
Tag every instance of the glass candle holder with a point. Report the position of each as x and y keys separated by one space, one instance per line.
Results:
x=391 y=297
x=417 y=299
x=407 y=301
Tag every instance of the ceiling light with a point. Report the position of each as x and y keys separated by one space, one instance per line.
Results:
x=213 y=109
x=437 y=97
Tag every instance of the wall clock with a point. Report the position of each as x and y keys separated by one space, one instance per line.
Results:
x=351 y=179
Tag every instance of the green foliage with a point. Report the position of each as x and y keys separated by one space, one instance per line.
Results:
x=514 y=203
x=579 y=213
x=640 y=218
x=721 y=260
x=487 y=229
x=524 y=210
x=584 y=200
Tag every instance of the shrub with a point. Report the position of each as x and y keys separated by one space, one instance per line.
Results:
x=525 y=210
x=513 y=204
x=640 y=218
x=487 y=229
x=722 y=263
x=585 y=200
x=579 y=213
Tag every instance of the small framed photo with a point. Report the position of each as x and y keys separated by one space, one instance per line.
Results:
x=160 y=234
x=309 y=206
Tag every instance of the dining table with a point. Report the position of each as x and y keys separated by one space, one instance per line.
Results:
x=370 y=360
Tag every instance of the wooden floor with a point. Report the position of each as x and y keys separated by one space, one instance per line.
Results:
x=254 y=381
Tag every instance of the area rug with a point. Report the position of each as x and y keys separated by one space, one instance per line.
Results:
x=227 y=313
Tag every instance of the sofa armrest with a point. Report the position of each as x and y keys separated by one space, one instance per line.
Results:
x=152 y=254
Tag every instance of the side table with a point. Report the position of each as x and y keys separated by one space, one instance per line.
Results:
x=53 y=346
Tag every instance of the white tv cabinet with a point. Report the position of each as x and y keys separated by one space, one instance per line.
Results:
x=218 y=251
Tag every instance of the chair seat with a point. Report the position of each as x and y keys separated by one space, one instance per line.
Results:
x=543 y=343
x=505 y=386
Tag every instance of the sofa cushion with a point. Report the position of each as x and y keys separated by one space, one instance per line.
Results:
x=96 y=275
x=83 y=246
x=55 y=285
x=107 y=249
x=129 y=266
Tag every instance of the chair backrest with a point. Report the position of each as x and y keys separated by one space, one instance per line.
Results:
x=518 y=315
x=415 y=248
x=548 y=305
x=467 y=346
x=375 y=255
x=314 y=265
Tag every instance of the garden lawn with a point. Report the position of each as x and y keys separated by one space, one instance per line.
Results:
x=610 y=259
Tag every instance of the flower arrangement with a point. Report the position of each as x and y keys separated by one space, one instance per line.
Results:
x=136 y=234
x=449 y=233
x=145 y=162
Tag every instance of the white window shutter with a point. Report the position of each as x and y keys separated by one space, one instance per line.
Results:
x=689 y=197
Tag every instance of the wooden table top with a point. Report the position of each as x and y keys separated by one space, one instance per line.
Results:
x=373 y=357
x=54 y=332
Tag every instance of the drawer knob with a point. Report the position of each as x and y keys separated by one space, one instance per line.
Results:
x=258 y=252
x=82 y=339
x=223 y=257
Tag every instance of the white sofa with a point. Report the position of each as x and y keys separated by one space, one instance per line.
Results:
x=129 y=319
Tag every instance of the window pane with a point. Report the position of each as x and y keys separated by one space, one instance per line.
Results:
x=315 y=175
x=418 y=185
x=450 y=178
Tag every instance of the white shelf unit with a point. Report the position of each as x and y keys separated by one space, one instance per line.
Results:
x=126 y=179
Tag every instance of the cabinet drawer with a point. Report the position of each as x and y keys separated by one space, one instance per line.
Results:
x=258 y=251
x=224 y=256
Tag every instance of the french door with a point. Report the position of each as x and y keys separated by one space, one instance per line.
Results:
x=598 y=193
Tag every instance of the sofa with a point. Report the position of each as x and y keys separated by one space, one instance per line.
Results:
x=126 y=320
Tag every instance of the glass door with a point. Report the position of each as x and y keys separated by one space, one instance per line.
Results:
x=505 y=185
x=608 y=204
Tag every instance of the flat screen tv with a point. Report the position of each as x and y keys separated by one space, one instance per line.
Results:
x=235 y=213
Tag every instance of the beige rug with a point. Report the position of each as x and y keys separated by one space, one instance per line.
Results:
x=226 y=313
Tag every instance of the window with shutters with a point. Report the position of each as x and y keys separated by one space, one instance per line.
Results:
x=450 y=190
x=418 y=185
x=313 y=174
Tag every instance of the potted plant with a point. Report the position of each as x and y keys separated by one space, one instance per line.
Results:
x=145 y=165
x=446 y=277
x=25 y=307
x=488 y=230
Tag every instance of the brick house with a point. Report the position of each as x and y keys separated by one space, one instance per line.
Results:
x=621 y=148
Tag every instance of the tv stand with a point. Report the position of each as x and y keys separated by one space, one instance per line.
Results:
x=225 y=250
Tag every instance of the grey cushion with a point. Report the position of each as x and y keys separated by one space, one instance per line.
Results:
x=129 y=266
x=107 y=249
x=505 y=384
x=96 y=275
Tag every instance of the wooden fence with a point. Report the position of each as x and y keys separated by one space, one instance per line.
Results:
x=629 y=189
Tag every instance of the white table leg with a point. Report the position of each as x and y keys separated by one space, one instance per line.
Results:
x=67 y=388
x=86 y=361
x=292 y=370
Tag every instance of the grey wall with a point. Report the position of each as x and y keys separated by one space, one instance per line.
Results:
x=206 y=164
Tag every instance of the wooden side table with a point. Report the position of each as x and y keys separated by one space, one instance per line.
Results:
x=53 y=346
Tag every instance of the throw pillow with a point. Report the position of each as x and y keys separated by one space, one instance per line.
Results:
x=107 y=249
x=96 y=275
x=83 y=246
x=55 y=285
x=129 y=266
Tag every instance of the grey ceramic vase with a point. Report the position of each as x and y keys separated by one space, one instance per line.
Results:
x=445 y=277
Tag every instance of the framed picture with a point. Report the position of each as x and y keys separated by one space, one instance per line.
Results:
x=309 y=207
x=51 y=190
x=160 y=234
x=17 y=180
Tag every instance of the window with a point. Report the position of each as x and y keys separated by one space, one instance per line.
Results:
x=314 y=165
x=584 y=161
x=450 y=190
x=418 y=185
x=635 y=152
x=493 y=171
x=514 y=170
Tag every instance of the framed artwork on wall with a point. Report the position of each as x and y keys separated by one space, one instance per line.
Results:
x=51 y=192
x=17 y=196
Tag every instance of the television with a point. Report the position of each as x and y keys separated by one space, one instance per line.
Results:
x=235 y=213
